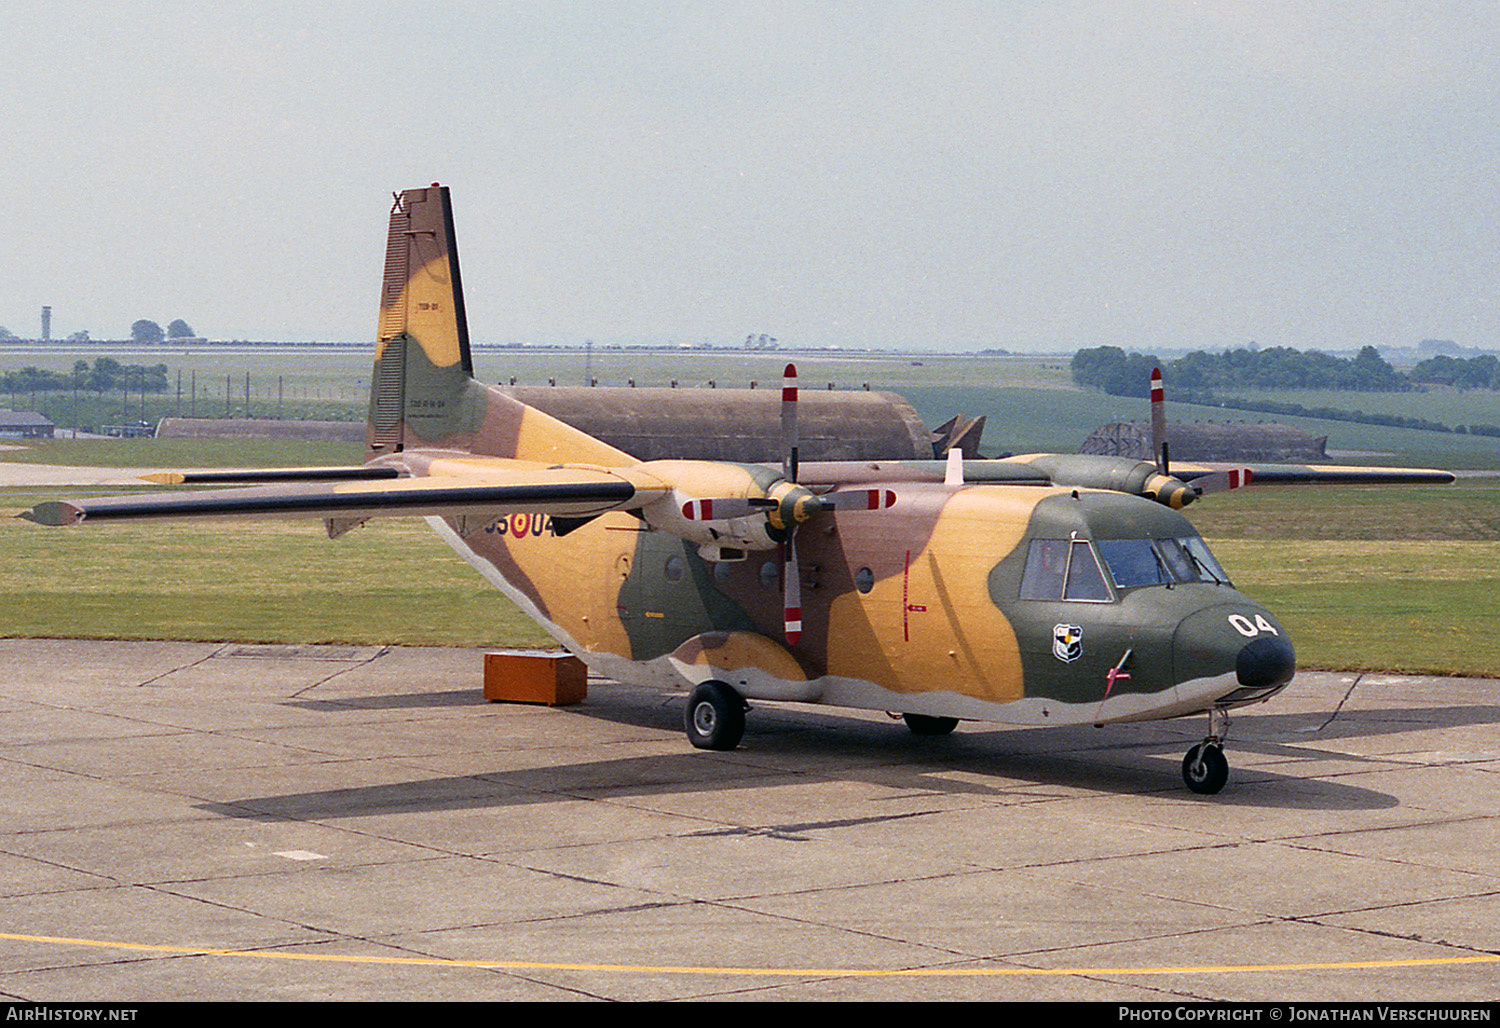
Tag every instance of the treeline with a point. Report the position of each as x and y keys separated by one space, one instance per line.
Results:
x=1194 y=378
x=1280 y=367
x=1201 y=373
x=105 y=375
x=1481 y=372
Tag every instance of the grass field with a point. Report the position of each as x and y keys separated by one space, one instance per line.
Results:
x=1387 y=578
x=1438 y=403
x=391 y=582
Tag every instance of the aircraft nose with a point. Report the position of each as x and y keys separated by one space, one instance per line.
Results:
x=1266 y=663
x=1239 y=639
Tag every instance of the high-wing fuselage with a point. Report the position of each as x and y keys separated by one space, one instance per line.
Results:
x=952 y=602
x=1046 y=589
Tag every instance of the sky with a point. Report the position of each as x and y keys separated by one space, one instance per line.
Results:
x=926 y=175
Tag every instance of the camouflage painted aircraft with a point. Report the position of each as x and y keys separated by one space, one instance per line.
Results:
x=1048 y=589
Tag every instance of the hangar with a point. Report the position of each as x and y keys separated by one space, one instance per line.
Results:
x=25 y=424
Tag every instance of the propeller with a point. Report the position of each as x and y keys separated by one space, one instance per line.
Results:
x=788 y=505
x=789 y=440
x=1174 y=494
x=1222 y=481
x=791 y=573
x=1159 y=422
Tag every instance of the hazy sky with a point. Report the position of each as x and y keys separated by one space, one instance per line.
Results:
x=926 y=174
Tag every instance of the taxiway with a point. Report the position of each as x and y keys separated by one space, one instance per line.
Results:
x=224 y=821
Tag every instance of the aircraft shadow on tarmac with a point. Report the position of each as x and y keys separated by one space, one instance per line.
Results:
x=397 y=701
x=785 y=746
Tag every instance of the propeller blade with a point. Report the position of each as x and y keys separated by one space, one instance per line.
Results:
x=1222 y=481
x=718 y=509
x=789 y=439
x=1158 y=422
x=792 y=593
x=858 y=499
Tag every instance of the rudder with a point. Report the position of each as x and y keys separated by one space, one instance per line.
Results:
x=423 y=374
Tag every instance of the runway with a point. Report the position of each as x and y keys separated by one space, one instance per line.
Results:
x=232 y=822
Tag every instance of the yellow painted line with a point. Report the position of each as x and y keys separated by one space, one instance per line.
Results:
x=801 y=972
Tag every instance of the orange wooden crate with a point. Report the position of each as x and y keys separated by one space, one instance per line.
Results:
x=534 y=676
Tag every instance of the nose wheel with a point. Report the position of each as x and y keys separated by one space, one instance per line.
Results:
x=1205 y=769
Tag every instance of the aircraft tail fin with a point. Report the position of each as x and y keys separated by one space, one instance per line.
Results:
x=422 y=390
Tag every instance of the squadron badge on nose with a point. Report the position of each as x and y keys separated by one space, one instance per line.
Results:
x=1067 y=642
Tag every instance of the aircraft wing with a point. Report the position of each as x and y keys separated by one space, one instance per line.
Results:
x=1330 y=474
x=357 y=472
x=498 y=487
x=1083 y=469
x=1002 y=472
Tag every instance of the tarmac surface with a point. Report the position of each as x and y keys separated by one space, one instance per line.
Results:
x=233 y=822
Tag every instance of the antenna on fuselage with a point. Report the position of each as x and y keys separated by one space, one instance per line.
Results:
x=953 y=474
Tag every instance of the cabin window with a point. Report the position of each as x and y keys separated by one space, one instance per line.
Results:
x=1062 y=569
x=864 y=580
x=769 y=576
x=674 y=568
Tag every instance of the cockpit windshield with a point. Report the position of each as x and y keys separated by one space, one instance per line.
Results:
x=1067 y=569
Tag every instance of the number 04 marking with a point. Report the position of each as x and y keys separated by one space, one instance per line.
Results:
x=1250 y=629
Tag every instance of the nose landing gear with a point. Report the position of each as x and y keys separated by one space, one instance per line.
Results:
x=1204 y=769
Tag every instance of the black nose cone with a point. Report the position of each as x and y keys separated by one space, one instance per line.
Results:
x=1266 y=663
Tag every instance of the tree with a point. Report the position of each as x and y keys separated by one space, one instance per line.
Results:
x=180 y=329
x=144 y=331
x=1111 y=369
x=5 y=333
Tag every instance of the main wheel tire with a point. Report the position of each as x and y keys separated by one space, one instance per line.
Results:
x=1205 y=769
x=715 y=717
x=924 y=724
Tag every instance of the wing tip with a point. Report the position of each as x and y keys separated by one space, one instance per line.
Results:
x=53 y=513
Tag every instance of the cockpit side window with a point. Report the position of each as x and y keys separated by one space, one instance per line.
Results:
x=1063 y=569
x=1085 y=581
x=1204 y=561
x=1179 y=561
x=1046 y=568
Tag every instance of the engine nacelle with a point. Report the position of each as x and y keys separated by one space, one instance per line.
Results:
x=734 y=519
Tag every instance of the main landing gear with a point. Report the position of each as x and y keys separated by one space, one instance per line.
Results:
x=1204 y=769
x=715 y=717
